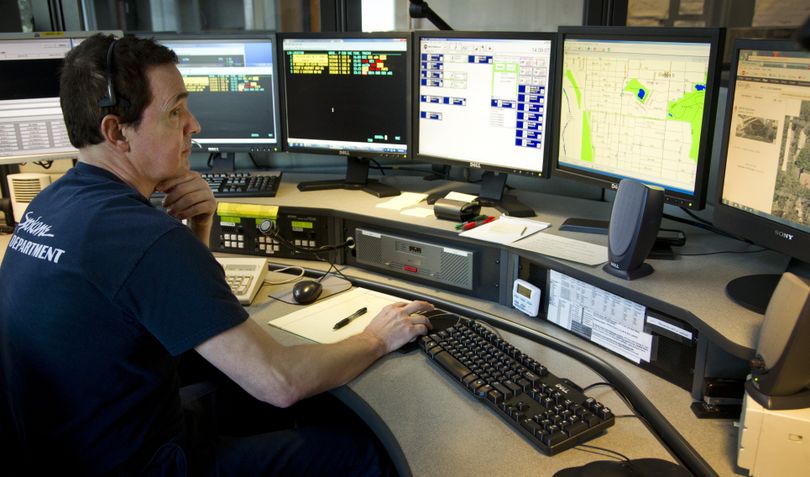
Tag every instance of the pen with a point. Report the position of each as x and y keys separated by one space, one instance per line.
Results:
x=472 y=225
x=345 y=321
x=523 y=231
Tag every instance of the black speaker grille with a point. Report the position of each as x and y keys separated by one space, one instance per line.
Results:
x=626 y=215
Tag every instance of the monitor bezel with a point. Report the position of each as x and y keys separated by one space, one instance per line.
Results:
x=550 y=100
x=226 y=36
x=714 y=37
x=763 y=231
x=340 y=36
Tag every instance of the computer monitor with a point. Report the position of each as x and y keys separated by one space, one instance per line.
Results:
x=233 y=92
x=764 y=178
x=637 y=103
x=347 y=94
x=31 y=124
x=483 y=100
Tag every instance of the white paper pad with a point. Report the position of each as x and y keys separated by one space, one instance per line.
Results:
x=565 y=248
x=403 y=201
x=315 y=322
x=505 y=230
x=418 y=212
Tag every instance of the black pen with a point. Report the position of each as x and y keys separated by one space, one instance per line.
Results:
x=345 y=321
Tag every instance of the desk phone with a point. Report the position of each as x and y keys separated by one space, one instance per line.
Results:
x=245 y=275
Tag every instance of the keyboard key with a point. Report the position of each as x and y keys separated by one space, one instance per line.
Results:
x=451 y=364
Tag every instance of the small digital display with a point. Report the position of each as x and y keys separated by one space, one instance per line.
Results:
x=524 y=291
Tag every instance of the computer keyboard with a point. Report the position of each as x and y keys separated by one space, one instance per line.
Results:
x=550 y=411
x=243 y=184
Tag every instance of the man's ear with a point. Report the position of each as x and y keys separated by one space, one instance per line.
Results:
x=113 y=132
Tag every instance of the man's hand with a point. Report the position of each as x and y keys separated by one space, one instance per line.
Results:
x=398 y=323
x=189 y=197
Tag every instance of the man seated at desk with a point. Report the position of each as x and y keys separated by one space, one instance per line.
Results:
x=100 y=292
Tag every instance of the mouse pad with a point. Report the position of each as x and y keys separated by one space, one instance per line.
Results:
x=634 y=468
x=332 y=285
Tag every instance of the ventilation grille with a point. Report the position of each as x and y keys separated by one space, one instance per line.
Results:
x=26 y=189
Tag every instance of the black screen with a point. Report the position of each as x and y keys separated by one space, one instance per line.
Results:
x=351 y=94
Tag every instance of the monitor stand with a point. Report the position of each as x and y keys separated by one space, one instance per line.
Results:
x=491 y=195
x=356 y=179
x=753 y=292
x=223 y=162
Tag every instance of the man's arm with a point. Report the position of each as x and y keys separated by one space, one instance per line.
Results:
x=282 y=375
x=189 y=197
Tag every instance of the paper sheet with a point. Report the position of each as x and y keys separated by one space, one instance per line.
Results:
x=505 y=230
x=565 y=248
x=315 y=322
x=403 y=201
x=418 y=212
x=460 y=196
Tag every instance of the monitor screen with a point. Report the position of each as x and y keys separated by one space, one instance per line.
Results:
x=31 y=124
x=483 y=102
x=764 y=183
x=233 y=90
x=638 y=103
x=347 y=94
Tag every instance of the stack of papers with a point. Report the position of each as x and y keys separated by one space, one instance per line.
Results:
x=565 y=248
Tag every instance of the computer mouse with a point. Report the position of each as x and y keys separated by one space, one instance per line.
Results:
x=306 y=291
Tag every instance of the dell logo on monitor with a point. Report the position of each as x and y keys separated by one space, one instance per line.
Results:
x=784 y=235
x=614 y=186
x=476 y=165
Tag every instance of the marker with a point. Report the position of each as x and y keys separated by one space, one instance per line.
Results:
x=474 y=219
x=345 y=321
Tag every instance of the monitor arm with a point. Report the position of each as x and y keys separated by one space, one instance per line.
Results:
x=420 y=9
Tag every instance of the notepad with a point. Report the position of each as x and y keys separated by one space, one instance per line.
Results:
x=505 y=230
x=316 y=321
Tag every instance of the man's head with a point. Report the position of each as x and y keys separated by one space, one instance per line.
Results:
x=84 y=83
x=145 y=138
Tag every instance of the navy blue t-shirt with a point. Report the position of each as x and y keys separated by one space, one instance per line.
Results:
x=99 y=293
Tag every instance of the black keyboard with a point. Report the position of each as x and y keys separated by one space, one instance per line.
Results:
x=550 y=411
x=243 y=184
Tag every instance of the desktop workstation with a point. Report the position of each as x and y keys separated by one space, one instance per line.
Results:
x=403 y=394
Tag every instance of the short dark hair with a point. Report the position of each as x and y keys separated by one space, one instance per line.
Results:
x=84 y=82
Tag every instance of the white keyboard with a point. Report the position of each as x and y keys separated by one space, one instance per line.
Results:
x=245 y=275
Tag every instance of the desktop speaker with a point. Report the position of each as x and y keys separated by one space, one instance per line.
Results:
x=23 y=187
x=780 y=376
x=634 y=222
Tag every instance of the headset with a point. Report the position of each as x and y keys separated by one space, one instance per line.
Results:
x=109 y=100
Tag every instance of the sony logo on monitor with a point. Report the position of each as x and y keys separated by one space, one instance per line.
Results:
x=784 y=235
x=476 y=165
